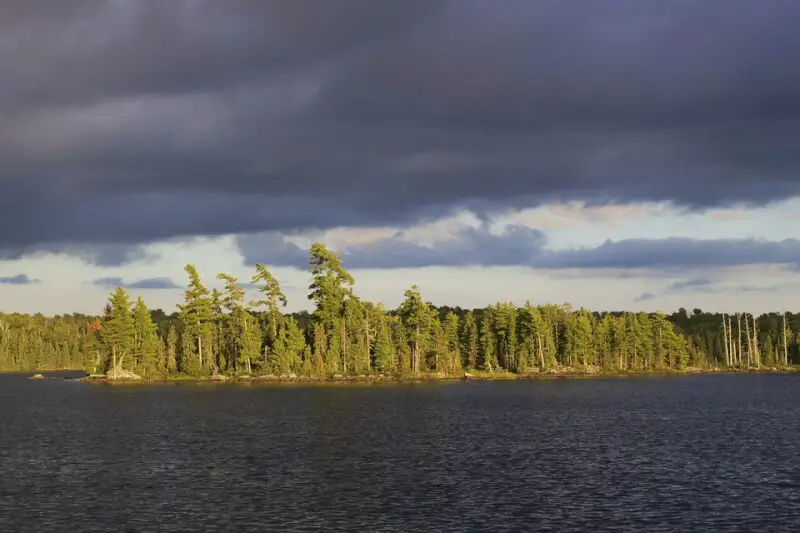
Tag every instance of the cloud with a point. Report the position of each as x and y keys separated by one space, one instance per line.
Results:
x=286 y=116
x=19 y=279
x=692 y=285
x=516 y=245
x=677 y=253
x=98 y=254
x=144 y=284
x=705 y=285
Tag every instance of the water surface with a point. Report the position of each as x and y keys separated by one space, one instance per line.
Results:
x=693 y=453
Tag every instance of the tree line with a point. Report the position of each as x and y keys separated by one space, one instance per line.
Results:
x=217 y=332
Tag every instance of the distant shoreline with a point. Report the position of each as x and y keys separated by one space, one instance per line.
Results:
x=481 y=376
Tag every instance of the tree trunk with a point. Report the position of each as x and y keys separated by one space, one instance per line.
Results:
x=749 y=342
x=344 y=346
x=727 y=347
x=730 y=341
x=756 y=351
x=738 y=339
x=785 y=344
x=416 y=350
x=541 y=353
x=366 y=329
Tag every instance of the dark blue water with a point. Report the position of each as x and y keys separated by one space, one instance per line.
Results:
x=696 y=453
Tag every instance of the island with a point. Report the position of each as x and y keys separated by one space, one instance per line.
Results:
x=217 y=335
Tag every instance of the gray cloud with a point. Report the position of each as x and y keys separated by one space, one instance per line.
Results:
x=19 y=279
x=677 y=253
x=518 y=245
x=99 y=254
x=128 y=122
x=692 y=285
x=705 y=285
x=522 y=246
x=149 y=283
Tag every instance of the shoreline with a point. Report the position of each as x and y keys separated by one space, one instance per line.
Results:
x=499 y=376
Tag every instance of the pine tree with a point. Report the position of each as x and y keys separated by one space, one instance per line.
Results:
x=402 y=348
x=384 y=349
x=241 y=337
x=272 y=298
x=417 y=318
x=451 y=328
x=216 y=335
x=320 y=351
x=331 y=285
x=118 y=332
x=487 y=343
x=249 y=343
x=146 y=347
x=172 y=350
x=469 y=340
x=196 y=315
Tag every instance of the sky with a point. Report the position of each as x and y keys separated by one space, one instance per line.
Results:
x=620 y=155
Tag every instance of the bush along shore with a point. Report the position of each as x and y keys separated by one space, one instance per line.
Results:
x=218 y=335
x=563 y=373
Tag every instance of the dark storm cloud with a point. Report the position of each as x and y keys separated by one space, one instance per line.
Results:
x=472 y=246
x=129 y=121
x=149 y=283
x=676 y=253
x=522 y=246
x=99 y=254
x=19 y=279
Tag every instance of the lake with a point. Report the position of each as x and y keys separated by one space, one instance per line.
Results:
x=689 y=453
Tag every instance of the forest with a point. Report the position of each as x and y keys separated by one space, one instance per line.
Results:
x=218 y=333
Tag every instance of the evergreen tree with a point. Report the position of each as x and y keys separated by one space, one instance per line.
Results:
x=272 y=298
x=488 y=344
x=118 y=331
x=384 y=349
x=451 y=328
x=249 y=343
x=146 y=348
x=469 y=340
x=172 y=350
x=196 y=315
x=417 y=319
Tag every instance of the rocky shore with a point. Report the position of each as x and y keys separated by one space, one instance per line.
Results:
x=554 y=373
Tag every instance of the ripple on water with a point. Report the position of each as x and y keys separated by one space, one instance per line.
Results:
x=700 y=453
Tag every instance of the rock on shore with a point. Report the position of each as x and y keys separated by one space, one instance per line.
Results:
x=120 y=375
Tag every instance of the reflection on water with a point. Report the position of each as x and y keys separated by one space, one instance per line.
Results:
x=695 y=453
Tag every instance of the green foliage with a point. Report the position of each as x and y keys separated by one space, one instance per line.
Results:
x=469 y=340
x=331 y=285
x=147 y=346
x=217 y=331
x=171 y=365
x=272 y=298
x=488 y=344
x=196 y=315
x=452 y=343
x=118 y=331
x=385 y=357
x=418 y=320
